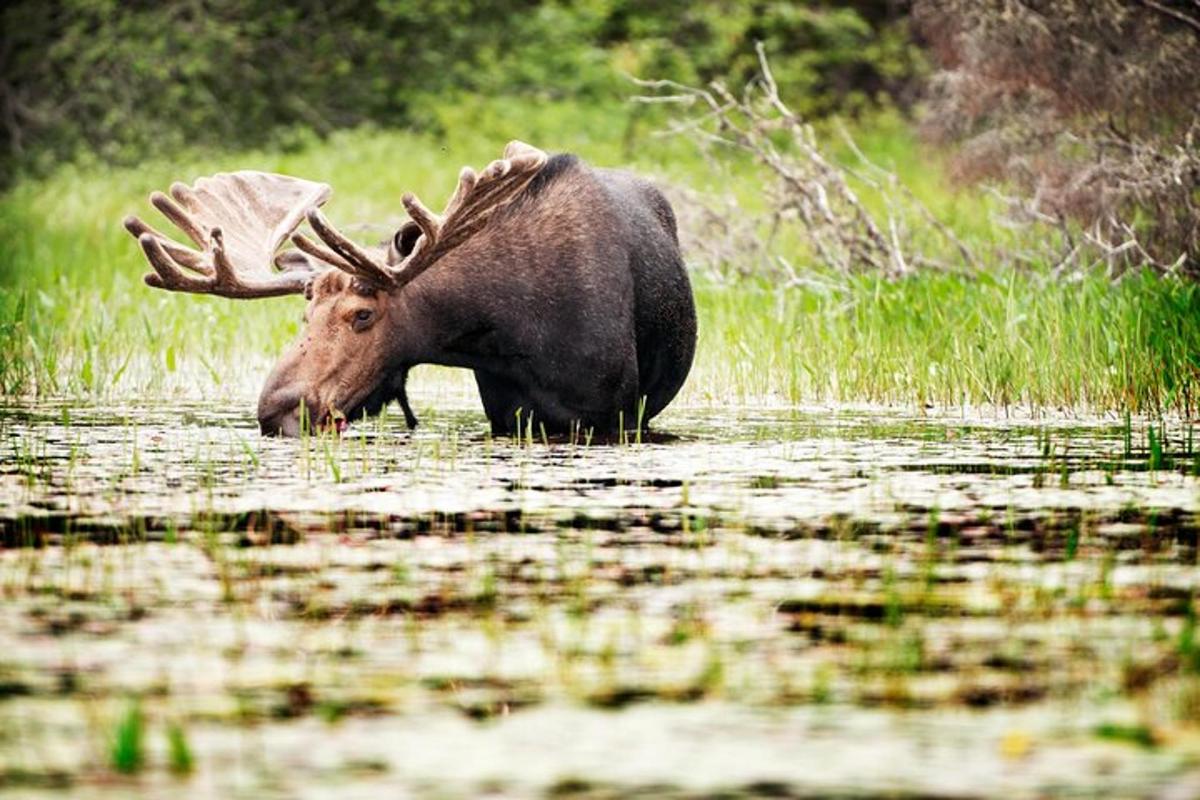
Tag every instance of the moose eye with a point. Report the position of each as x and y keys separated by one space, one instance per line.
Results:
x=362 y=318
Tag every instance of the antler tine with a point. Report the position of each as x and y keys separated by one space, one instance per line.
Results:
x=517 y=149
x=225 y=273
x=426 y=220
x=178 y=217
x=167 y=274
x=356 y=261
x=224 y=281
x=468 y=180
x=184 y=256
x=238 y=220
x=315 y=250
x=475 y=199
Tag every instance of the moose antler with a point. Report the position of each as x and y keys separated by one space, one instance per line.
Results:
x=238 y=220
x=473 y=204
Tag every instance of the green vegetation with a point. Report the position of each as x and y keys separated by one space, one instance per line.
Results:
x=193 y=608
x=113 y=82
x=76 y=320
x=179 y=753
x=1019 y=339
x=128 y=753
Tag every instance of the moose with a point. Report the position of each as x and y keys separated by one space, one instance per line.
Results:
x=561 y=286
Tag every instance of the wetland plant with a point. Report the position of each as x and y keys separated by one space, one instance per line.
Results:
x=179 y=753
x=127 y=753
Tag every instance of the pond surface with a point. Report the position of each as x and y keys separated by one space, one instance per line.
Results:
x=769 y=603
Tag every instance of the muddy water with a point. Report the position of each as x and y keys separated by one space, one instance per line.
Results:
x=772 y=602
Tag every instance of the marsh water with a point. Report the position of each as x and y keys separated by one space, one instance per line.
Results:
x=769 y=602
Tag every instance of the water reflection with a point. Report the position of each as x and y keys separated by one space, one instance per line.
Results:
x=767 y=601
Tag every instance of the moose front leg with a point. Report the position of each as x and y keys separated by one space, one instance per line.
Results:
x=401 y=385
x=410 y=419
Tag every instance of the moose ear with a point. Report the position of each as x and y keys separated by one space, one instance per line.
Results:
x=293 y=260
x=404 y=241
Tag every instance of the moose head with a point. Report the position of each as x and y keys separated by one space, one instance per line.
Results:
x=352 y=356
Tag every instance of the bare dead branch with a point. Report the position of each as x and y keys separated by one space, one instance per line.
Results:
x=1174 y=14
x=809 y=187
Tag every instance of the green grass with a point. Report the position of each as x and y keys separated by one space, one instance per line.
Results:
x=76 y=320
x=128 y=754
x=1008 y=339
x=179 y=753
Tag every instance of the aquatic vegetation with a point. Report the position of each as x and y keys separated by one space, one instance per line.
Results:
x=179 y=754
x=75 y=319
x=779 y=573
x=993 y=565
x=128 y=747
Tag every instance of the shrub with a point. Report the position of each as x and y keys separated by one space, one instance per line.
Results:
x=120 y=81
x=1091 y=109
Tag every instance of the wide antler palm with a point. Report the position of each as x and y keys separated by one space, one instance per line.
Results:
x=238 y=220
x=476 y=199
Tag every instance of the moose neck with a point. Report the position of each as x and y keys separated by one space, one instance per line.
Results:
x=447 y=317
x=427 y=327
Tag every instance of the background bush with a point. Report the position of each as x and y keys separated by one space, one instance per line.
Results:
x=117 y=81
x=1090 y=109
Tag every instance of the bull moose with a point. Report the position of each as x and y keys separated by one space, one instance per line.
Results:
x=561 y=286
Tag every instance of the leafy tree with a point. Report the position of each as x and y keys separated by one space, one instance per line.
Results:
x=122 y=80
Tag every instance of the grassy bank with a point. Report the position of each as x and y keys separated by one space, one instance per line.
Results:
x=1003 y=340
x=76 y=319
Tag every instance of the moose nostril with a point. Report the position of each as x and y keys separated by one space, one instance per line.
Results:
x=279 y=413
x=285 y=424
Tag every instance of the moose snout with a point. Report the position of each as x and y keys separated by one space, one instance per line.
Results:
x=279 y=412
x=286 y=398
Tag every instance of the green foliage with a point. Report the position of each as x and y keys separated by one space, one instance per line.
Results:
x=179 y=753
x=126 y=79
x=127 y=754
x=115 y=81
x=1131 y=734
x=75 y=318
x=1015 y=339
x=828 y=56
